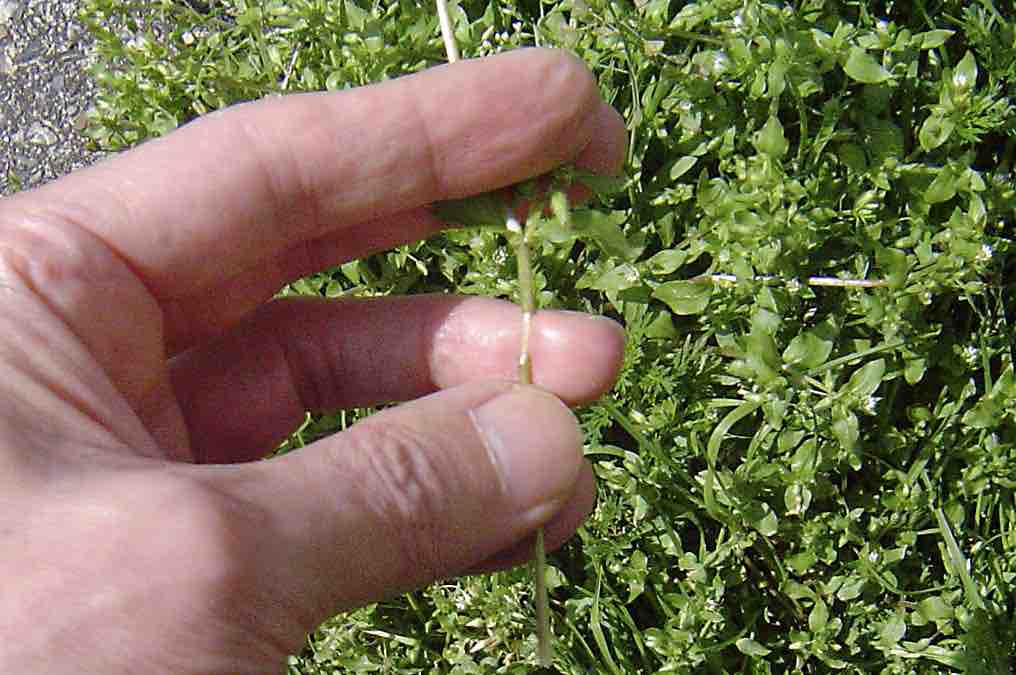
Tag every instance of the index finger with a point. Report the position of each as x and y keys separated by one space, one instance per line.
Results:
x=236 y=189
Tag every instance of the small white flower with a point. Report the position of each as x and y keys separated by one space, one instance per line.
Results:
x=870 y=404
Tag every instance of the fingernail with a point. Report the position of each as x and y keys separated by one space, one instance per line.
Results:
x=535 y=443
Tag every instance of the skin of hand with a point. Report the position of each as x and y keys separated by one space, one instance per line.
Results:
x=145 y=366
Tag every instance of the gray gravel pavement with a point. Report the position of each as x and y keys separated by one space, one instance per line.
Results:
x=44 y=92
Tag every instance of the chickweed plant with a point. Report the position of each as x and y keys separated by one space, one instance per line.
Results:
x=808 y=464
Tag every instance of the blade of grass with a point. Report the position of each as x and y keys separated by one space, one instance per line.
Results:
x=958 y=561
x=597 y=629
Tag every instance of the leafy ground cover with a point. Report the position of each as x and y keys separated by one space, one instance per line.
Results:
x=809 y=462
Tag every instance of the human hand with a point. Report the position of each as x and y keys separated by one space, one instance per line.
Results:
x=144 y=367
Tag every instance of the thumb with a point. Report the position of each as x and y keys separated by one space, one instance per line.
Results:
x=416 y=493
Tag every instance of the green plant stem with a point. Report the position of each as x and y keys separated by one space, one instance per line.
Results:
x=517 y=234
x=544 y=652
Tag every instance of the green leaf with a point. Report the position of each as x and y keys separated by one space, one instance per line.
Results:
x=851 y=589
x=894 y=262
x=617 y=278
x=763 y=357
x=935 y=131
x=892 y=631
x=935 y=609
x=984 y=415
x=771 y=140
x=862 y=67
x=797 y=499
x=684 y=297
x=807 y=350
x=605 y=230
x=866 y=380
x=914 y=369
x=553 y=230
x=933 y=38
x=635 y=574
x=885 y=140
x=819 y=616
x=164 y=123
x=802 y=561
x=682 y=166
x=845 y=430
x=661 y=327
x=803 y=461
x=767 y=525
x=852 y=156
x=667 y=261
x=943 y=188
x=483 y=210
x=965 y=75
x=749 y=647
x=604 y=186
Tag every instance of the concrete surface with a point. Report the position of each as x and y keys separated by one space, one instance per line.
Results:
x=44 y=92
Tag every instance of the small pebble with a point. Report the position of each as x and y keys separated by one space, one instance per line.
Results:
x=41 y=134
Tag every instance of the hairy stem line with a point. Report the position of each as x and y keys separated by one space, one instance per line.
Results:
x=527 y=302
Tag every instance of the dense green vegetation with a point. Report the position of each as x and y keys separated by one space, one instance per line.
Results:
x=809 y=462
